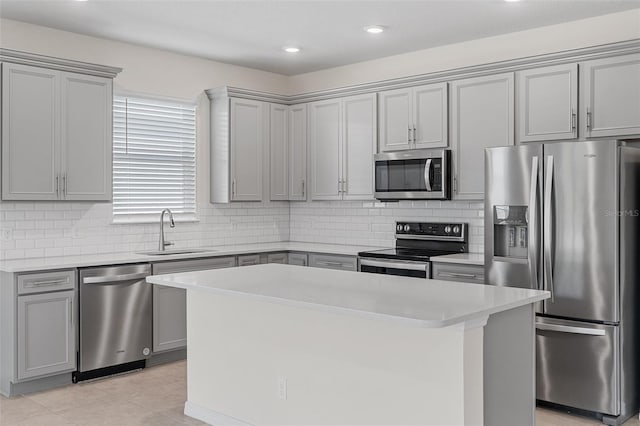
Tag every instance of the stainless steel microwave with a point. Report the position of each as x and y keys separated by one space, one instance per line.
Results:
x=419 y=174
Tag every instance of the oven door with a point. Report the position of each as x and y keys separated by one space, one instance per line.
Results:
x=403 y=268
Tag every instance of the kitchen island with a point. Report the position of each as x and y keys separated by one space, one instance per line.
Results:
x=282 y=344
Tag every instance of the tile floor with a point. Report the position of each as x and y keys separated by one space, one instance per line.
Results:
x=154 y=396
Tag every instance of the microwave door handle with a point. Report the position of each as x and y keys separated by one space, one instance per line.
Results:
x=427 y=174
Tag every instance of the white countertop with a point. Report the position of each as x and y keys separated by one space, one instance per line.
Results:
x=61 y=262
x=462 y=258
x=415 y=301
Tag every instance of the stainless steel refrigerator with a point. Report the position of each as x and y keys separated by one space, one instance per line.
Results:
x=565 y=217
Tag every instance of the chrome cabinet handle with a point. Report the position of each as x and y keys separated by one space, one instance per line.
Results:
x=303 y=187
x=57 y=188
x=327 y=263
x=64 y=186
x=533 y=217
x=71 y=312
x=573 y=119
x=344 y=186
x=548 y=230
x=570 y=329
x=588 y=119
x=409 y=139
x=233 y=188
x=414 y=134
x=339 y=186
x=47 y=282
x=456 y=275
x=427 y=174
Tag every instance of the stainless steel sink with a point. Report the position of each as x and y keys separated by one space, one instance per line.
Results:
x=174 y=251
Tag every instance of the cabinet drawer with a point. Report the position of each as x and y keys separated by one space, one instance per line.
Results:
x=297 y=259
x=193 y=265
x=277 y=258
x=47 y=281
x=458 y=272
x=345 y=263
x=249 y=259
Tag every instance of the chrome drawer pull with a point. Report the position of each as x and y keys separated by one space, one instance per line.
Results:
x=46 y=282
x=457 y=275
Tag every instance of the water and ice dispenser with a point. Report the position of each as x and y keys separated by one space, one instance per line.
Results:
x=510 y=231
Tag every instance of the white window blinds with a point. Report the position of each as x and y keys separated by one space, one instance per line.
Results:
x=154 y=159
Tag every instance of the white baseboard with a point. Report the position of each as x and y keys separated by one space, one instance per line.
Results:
x=210 y=416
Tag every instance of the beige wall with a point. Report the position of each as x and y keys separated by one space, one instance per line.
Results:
x=572 y=35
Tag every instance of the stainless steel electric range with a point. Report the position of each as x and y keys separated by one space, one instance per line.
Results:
x=416 y=243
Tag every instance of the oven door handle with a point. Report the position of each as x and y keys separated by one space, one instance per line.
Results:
x=427 y=174
x=395 y=265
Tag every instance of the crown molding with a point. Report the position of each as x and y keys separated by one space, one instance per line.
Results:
x=567 y=56
x=26 y=58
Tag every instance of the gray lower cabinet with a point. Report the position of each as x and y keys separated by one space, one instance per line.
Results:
x=332 y=261
x=299 y=259
x=46 y=323
x=457 y=272
x=46 y=334
x=277 y=258
x=170 y=304
x=249 y=259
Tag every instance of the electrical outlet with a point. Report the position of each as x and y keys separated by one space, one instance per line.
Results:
x=282 y=387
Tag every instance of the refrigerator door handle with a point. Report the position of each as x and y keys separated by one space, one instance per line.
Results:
x=427 y=174
x=571 y=329
x=533 y=231
x=548 y=226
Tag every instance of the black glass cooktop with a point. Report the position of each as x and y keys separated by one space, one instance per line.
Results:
x=418 y=255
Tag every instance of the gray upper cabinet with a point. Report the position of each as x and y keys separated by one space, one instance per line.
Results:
x=56 y=135
x=325 y=139
x=610 y=94
x=413 y=118
x=249 y=133
x=297 y=135
x=86 y=156
x=279 y=152
x=547 y=103
x=482 y=116
x=30 y=133
x=342 y=136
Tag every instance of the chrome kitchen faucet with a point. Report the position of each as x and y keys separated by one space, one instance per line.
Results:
x=162 y=244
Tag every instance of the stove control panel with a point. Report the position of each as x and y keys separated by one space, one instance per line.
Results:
x=432 y=231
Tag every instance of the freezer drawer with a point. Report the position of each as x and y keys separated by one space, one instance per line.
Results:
x=577 y=365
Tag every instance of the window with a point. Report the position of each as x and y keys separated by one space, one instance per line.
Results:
x=154 y=159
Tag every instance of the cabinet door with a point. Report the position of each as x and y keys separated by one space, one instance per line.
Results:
x=547 y=100
x=359 y=146
x=170 y=303
x=611 y=97
x=86 y=143
x=332 y=261
x=279 y=153
x=430 y=116
x=297 y=152
x=46 y=334
x=247 y=141
x=30 y=133
x=481 y=117
x=325 y=137
x=396 y=128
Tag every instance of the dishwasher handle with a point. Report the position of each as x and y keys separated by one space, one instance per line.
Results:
x=108 y=279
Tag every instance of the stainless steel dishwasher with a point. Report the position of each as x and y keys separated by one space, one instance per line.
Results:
x=115 y=320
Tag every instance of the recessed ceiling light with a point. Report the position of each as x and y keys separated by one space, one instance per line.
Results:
x=291 y=49
x=374 y=29
x=81 y=0
x=510 y=1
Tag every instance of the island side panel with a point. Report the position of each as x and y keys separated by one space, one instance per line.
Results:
x=338 y=369
x=510 y=368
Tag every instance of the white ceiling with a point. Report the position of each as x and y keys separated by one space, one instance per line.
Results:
x=330 y=33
